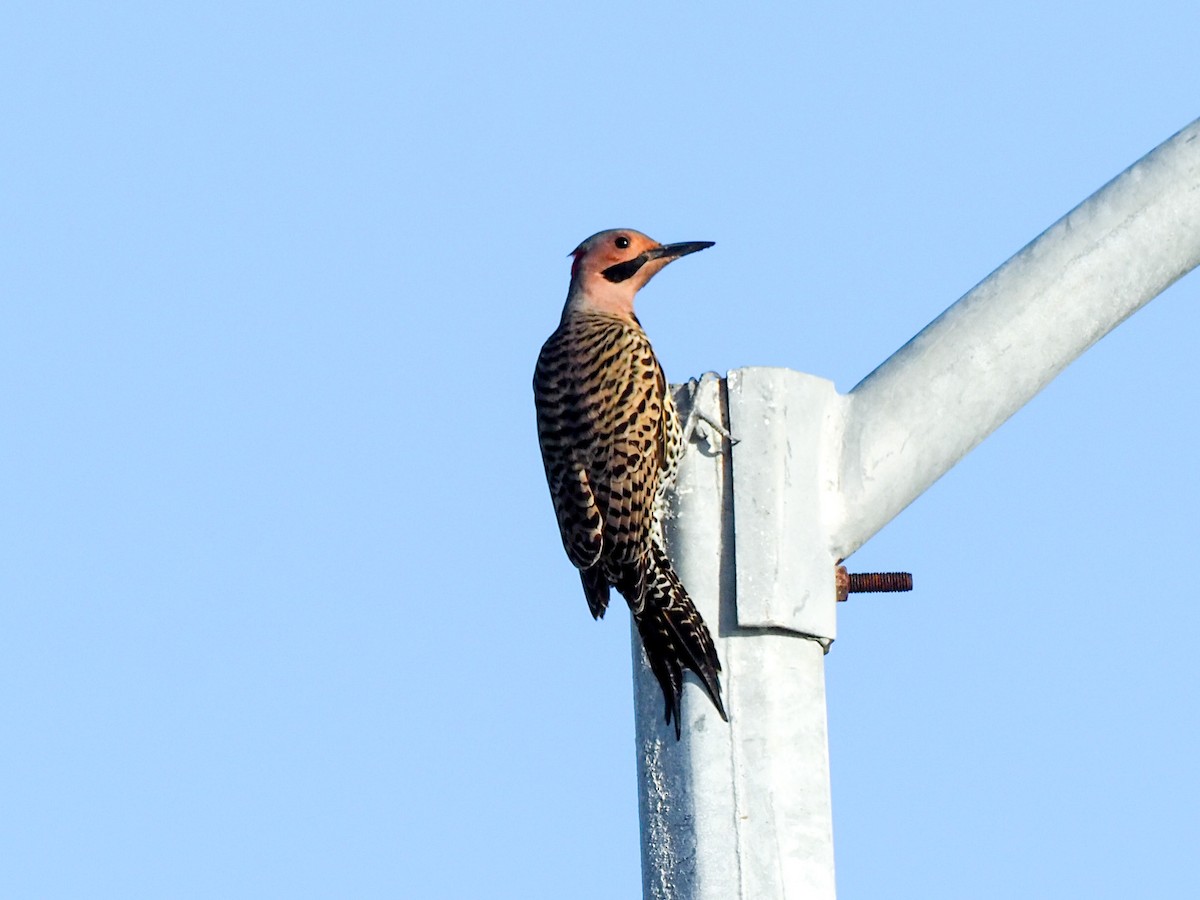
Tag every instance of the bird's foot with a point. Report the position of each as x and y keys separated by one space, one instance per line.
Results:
x=701 y=424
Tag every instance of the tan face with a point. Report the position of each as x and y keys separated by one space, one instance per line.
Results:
x=610 y=267
x=610 y=248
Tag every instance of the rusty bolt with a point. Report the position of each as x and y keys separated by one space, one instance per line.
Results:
x=870 y=582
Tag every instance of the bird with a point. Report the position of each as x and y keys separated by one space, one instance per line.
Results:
x=611 y=440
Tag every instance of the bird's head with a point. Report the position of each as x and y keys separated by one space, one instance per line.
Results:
x=610 y=267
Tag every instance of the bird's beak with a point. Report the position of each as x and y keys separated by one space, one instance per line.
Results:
x=674 y=251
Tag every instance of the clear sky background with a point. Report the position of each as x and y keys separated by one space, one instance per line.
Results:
x=283 y=607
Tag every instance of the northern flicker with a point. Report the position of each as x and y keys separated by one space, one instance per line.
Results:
x=611 y=440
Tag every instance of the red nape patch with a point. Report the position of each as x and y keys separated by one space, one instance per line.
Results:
x=578 y=254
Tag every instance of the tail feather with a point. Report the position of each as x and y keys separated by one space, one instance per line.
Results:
x=595 y=588
x=675 y=637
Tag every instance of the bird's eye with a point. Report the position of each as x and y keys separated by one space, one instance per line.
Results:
x=622 y=242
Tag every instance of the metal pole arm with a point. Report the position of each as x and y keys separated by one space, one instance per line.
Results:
x=986 y=356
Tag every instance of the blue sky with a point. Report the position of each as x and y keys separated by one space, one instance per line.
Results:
x=283 y=609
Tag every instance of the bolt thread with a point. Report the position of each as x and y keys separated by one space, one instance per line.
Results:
x=880 y=582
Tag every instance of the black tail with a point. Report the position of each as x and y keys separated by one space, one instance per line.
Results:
x=675 y=636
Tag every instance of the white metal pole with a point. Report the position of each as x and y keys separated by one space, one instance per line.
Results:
x=743 y=810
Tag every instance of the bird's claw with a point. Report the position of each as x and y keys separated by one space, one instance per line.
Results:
x=699 y=423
